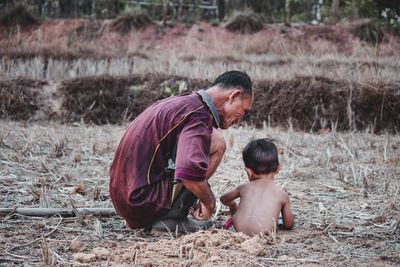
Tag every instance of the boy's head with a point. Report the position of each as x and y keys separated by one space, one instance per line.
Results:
x=261 y=156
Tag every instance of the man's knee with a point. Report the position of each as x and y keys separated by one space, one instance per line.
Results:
x=218 y=144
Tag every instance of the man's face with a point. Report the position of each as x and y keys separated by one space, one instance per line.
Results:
x=234 y=109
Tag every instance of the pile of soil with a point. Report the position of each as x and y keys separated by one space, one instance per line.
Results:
x=210 y=247
x=107 y=99
x=245 y=23
x=128 y=21
x=313 y=103
x=367 y=30
x=309 y=103
x=20 y=98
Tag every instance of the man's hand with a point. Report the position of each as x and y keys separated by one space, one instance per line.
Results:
x=202 y=213
x=206 y=206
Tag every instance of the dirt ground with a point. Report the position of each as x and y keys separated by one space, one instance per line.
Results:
x=344 y=191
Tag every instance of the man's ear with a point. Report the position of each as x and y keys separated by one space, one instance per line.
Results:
x=278 y=169
x=250 y=172
x=234 y=95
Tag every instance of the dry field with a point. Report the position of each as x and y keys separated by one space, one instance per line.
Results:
x=343 y=185
x=344 y=191
x=65 y=49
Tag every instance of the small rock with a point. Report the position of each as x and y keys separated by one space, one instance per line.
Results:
x=76 y=245
x=253 y=246
x=85 y=258
x=214 y=259
x=101 y=253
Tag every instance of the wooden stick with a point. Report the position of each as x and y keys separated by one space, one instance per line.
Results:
x=76 y=212
x=18 y=256
x=334 y=239
x=43 y=212
x=2 y=260
x=291 y=259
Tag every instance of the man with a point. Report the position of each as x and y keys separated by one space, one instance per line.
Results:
x=175 y=144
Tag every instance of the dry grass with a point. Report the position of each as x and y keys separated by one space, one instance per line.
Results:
x=69 y=49
x=366 y=67
x=343 y=187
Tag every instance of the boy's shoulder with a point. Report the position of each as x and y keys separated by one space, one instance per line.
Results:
x=244 y=185
x=282 y=192
x=279 y=190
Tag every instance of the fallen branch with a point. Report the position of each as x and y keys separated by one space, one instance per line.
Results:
x=290 y=260
x=43 y=212
x=18 y=256
x=76 y=212
x=3 y=260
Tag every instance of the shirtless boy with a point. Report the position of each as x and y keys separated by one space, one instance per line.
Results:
x=261 y=200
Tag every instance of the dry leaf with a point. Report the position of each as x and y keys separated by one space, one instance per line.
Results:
x=80 y=189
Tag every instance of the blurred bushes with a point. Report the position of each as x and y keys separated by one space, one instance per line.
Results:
x=245 y=22
x=310 y=103
x=18 y=15
x=106 y=99
x=135 y=18
x=19 y=98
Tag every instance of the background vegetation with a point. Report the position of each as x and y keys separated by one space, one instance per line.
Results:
x=342 y=76
x=296 y=11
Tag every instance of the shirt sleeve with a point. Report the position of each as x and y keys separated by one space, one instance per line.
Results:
x=193 y=152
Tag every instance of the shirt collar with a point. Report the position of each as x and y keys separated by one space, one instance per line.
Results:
x=207 y=100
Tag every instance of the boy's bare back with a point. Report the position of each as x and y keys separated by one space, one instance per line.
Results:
x=261 y=201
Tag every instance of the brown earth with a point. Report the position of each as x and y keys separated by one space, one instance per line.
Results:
x=343 y=189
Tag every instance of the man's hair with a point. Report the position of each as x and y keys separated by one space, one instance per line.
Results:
x=235 y=79
x=261 y=156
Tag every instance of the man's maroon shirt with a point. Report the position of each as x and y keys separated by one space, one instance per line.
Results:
x=184 y=123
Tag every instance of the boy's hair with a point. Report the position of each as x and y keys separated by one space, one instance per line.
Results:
x=261 y=156
x=235 y=79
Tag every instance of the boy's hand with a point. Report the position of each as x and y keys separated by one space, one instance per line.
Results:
x=233 y=208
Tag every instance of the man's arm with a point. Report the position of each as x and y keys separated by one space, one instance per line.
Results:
x=203 y=192
x=228 y=199
x=287 y=216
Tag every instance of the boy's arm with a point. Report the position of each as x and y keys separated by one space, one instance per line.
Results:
x=228 y=199
x=287 y=216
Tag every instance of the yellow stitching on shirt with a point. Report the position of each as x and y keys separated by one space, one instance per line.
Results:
x=159 y=142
